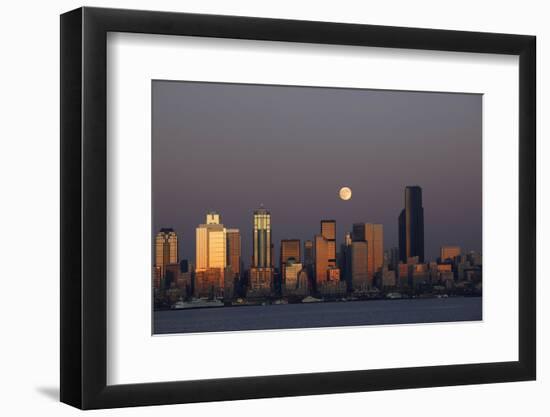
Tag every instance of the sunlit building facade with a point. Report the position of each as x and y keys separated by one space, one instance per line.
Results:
x=166 y=249
x=373 y=234
x=449 y=253
x=325 y=250
x=359 y=265
x=210 y=256
x=375 y=241
x=321 y=258
x=234 y=250
x=211 y=249
x=213 y=217
x=290 y=252
x=328 y=231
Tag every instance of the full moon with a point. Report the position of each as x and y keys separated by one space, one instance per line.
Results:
x=345 y=193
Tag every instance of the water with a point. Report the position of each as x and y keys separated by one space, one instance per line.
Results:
x=296 y=316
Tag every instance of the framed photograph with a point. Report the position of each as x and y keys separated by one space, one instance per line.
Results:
x=258 y=208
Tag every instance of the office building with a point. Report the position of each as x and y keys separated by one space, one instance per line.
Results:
x=261 y=272
x=290 y=251
x=449 y=253
x=291 y=271
x=325 y=250
x=359 y=265
x=211 y=244
x=321 y=258
x=211 y=256
x=411 y=225
x=262 y=239
x=373 y=234
x=166 y=249
x=234 y=251
x=328 y=231
x=375 y=242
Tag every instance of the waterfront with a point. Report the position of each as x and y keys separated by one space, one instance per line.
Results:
x=335 y=314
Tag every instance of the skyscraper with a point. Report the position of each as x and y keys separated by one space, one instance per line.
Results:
x=234 y=250
x=211 y=256
x=375 y=242
x=359 y=265
x=211 y=250
x=325 y=250
x=321 y=258
x=411 y=225
x=328 y=231
x=262 y=239
x=290 y=248
x=373 y=234
x=166 y=249
x=290 y=251
x=261 y=271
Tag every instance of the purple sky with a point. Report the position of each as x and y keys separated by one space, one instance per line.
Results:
x=230 y=147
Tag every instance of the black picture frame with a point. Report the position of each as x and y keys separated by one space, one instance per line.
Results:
x=84 y=207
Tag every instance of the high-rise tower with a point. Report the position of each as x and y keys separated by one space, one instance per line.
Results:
x=262 y=239
x=211 y=250
x=234 y=250
x=166 y=249
x=411 y=225
x=211 y=256
x=325 y=250
x=261 y=271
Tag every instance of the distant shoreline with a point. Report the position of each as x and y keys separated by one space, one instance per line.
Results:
x=267 y=303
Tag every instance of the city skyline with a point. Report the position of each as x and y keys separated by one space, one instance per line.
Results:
x=360 y=270
x=317 y=140
x=289 y=248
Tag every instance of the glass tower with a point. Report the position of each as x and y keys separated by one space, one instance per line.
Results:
x=211 y=250
x=411 y=225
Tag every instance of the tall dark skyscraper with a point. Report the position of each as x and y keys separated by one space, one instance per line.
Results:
x=411 y=225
